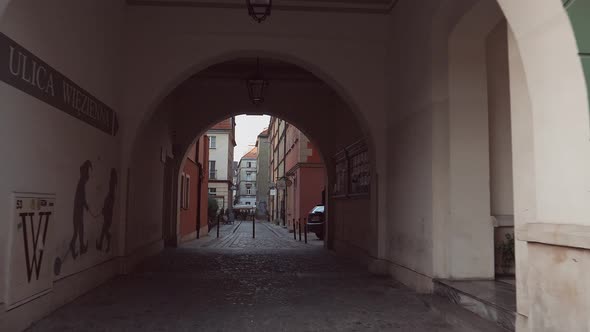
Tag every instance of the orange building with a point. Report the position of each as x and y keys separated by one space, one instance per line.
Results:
x=306 y=173
x=193 y=192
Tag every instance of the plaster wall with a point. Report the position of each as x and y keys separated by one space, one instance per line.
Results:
x=414 y=244
x=44 y=148
x=198 y=40
x=499 y=122
x=148 y=210
x=525 y=210
x=559 y=298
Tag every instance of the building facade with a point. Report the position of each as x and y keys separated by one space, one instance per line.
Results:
x=193 y=192
x=306 y=176
x=263 y=175
x=221 y=159
x=277 y=192
x=246 y=184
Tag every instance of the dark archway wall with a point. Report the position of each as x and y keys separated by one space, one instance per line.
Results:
x=44 y=148
x=427 y=236
x=199 y=103
x=130 y=58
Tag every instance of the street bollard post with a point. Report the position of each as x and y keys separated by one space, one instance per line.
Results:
x=218 y=227
x=299 y=224
x=254 y=226
x=294 y=231
x=305 y=229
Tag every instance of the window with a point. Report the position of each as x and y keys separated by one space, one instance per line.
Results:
x=353 y=175
x=185 y=185
x=212 y=191
x=182 y=180
x=212 y=142
x=249 y=191
x=247 y=203
x=249 y=164
x=212 y=171
x=187 y=191
x=248 y=175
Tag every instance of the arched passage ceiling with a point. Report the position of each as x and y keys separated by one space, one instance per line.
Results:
x=294 y=95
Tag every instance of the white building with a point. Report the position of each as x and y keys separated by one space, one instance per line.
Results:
x=221 y=160
x=247 y=178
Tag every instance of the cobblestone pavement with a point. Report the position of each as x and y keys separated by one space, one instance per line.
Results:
x=267 y=236
x=271 y=283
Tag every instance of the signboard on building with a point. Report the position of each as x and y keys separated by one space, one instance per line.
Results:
x=273 y=192
x=28 y=73
x=29 y=248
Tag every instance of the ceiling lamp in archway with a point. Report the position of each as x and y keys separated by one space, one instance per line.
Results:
x=256 y=86
x=259 y=9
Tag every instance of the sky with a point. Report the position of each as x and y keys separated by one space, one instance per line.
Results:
x=248 y=127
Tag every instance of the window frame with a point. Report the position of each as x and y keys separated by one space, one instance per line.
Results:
x=187 y=192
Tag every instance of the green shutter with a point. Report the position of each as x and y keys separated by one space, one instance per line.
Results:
x=579 y=13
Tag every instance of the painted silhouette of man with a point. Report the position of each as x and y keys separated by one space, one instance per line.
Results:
x=107 y=213
x=80 y=204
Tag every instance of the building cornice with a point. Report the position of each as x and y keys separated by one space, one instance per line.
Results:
x=304 y=165
x=220 y=181
x=331 y=6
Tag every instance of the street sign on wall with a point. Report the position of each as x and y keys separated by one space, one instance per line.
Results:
x=23 y=70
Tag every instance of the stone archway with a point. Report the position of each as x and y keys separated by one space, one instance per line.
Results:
x=308 y=103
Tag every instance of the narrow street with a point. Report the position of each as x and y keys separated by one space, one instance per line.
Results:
x=236 y=283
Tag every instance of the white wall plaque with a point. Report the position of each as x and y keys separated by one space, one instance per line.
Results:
x=29 y=250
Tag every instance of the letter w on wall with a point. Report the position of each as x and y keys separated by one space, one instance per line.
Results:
x=33 y=247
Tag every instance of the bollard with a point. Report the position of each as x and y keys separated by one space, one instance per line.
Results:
x=218 y=227
x=294 y=231
x=299 y=226
x=305 y=229
x=254 y=226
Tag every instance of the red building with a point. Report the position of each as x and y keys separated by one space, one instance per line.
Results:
x=306 y=173
x=193 y=192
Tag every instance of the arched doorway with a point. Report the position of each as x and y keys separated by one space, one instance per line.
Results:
x=295 y=95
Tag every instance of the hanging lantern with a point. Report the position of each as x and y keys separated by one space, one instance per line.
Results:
x=256 y=86
x=259 y=9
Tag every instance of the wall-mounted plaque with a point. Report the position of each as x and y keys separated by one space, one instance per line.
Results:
x=29 y=247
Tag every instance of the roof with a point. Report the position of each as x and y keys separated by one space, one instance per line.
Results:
x=223 y=125
x=264 y=132
x=252 y=154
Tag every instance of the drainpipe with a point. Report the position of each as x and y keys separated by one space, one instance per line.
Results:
x=285 y=173
x=199 y=189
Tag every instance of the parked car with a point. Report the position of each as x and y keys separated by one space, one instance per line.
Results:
x=316 y=220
